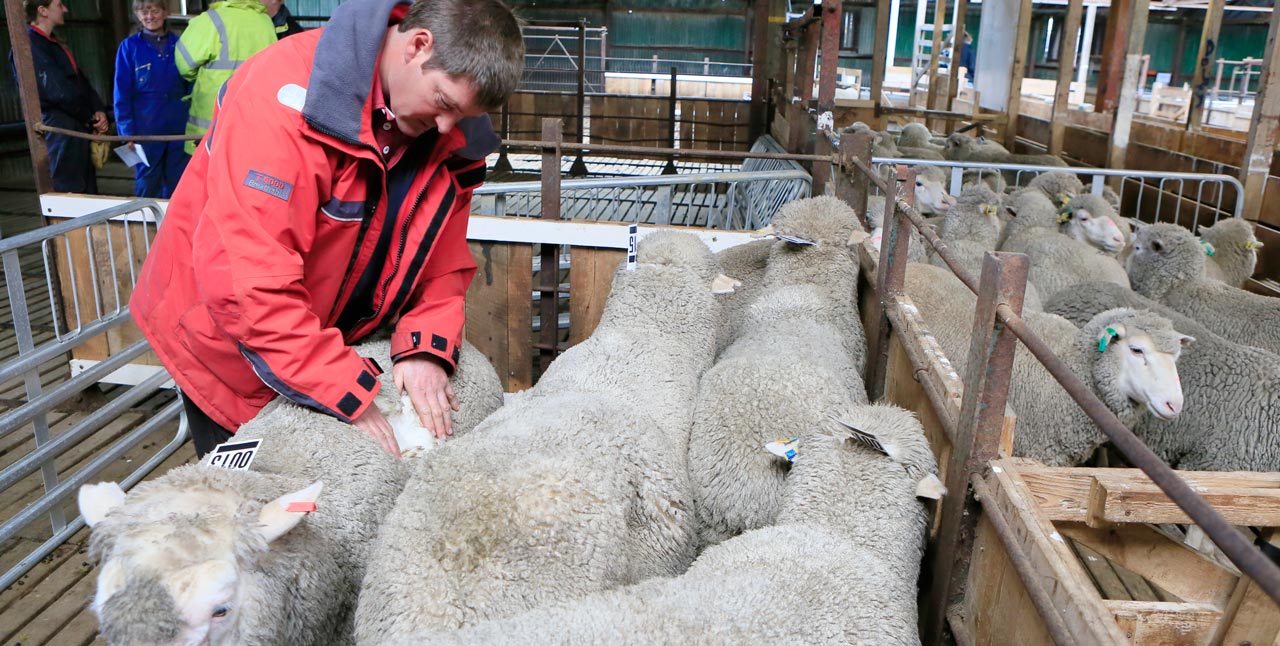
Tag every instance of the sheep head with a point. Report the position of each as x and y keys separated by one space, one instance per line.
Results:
x=1090 y=219
x=1163 y=255
x=181 y=555
x=958 y=146
x=1232 y=233
x=1134 y=355
x=931 y=190
x=915 y=135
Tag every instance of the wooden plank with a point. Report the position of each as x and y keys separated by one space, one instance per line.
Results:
x=1204 y=63
x=957 y=43
x=878 y=53
x=636 y=121
x=1125 y=500
x=1016 y=70
x=70 y=568
x=1156 y=623
x=1082 y=608
x=76 y=266
x=1136 y=26
x=997 y=608
x=46 y=628
x=590 y=280
x=1264 y=132
x=519 y=375
x=1100 y=571
x=1066 y=69
x=1251 y=616
x=1174 y=568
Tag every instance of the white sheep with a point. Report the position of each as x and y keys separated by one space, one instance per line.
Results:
x=1127 y=358
x=1167 y=265
x=917 y=135
x=931 y=198
x=1231 y=413
x=839 y=567
x=1057 y=261
x=962 y=147
x=183 y=557
x=745 y=264
x=1090 y=219
x=577 y=485
x=1234 y=251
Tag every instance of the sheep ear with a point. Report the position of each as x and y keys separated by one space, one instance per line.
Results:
x=284 y=513
x=97 y=500
x=857 y=237
x=1187 y=341
x=724 y=285
x=1111 y=333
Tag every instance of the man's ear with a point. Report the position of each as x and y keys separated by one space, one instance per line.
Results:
x=421 y=44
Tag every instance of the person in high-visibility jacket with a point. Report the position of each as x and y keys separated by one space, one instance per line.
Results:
x=213 y=46
x=149 y=99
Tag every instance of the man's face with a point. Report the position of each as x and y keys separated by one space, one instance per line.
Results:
x=56 y=12
x=423 y=99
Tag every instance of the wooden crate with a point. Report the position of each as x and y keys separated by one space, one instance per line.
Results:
x=1093 y=539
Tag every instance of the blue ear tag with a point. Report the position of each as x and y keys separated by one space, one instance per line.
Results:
x=1102 y=343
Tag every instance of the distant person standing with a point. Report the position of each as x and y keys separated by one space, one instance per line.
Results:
x=149 y=99
x=282 y=19
x=968 y=59
x=66 y=99
x=214 y=44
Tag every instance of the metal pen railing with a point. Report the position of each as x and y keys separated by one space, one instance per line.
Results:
x=997 y=322
x=112 y=259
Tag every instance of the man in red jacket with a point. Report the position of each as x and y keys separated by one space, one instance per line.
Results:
x=330 y=198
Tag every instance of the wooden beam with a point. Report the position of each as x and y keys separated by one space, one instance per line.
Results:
x=28 y=95
x=1179 y=47
x=935 y=55
x=1066 y=69
x=957 y=44
x=1204 y=63
x=878 y=54
x=1114 y=46
x=1118 y=145
x=830 y=55
x=1129 y=500
x=1256 y=165
x=760 y=28
x=1016 y=70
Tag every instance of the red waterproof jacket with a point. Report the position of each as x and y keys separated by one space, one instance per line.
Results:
x=275 y=221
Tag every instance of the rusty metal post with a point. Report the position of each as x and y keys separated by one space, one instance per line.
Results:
x=760 y=81
x=28 y=94
x=855 y=186
x=830 y=55
x=821 y=171
x=891 y=275
x=672 y=133
x=579 y=167
x=549 y=285
x=977 y=442
x=799 y=141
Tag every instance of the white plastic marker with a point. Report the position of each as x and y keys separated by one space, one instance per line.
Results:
x=633 y=237
x=860 y=436
x=794 y=240
x=235 y=456
x=784 y=448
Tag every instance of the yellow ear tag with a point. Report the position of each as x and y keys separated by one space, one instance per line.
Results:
x=992 y=210
x=1064 y=198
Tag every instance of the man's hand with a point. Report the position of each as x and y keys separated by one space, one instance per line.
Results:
x=99 y=123
x=372 y=423
x=429 y=390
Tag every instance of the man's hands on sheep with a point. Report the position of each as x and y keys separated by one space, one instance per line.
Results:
x=433 y=398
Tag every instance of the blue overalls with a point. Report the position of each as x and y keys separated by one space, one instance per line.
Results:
x=149 y=101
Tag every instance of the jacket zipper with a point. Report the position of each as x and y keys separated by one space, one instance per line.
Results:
x=395 y=268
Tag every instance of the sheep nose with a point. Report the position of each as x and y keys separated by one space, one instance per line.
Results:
x=1174 y=408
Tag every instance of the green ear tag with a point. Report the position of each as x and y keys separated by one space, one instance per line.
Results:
x=1208 y=248
x=1102 y=343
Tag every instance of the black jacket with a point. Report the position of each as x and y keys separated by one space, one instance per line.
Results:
x=66 y=98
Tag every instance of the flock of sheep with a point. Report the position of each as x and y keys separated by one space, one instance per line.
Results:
x=706 y=467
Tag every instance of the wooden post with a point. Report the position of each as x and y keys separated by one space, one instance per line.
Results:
x=503 y=165
x=579 y=167
x=878 y=55
x=549 y=286
x=1256 y=165
x=759 y=68
x=957 y=42
x=830 y=55
x=28 y=95
x=1014 y=105
x=1114 y=46
x=935 y=55
x=990 y=367
x=1179 y=47
x=1208 y=47
x=1066 y=67
x=798 y=140
x=1086 y=49
x=1123 y=123
x=856 y=184
x=891 y=275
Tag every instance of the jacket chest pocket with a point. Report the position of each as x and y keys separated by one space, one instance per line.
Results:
x=142 y=75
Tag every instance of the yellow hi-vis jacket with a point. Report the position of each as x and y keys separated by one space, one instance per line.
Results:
x=214 y=44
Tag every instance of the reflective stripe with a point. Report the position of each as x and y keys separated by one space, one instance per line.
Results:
x=186 y=56
x=208 y=140
x=222 y=92
x=224 y=60
x=341 y=211
x=224 y=65
x=198 y=122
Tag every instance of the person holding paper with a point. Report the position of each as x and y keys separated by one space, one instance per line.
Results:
x=149 y=101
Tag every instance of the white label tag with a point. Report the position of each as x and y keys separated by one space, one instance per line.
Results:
x=860 y=436
x=633 y=238
x=794 y=240
x=784 y=448
x=236 y=456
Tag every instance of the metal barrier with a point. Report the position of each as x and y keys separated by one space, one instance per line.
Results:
x=103 y=311
x=735 y=200
x=1165 y=195
x=997 y=323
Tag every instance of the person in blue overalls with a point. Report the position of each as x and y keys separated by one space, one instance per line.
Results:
x=149 y=95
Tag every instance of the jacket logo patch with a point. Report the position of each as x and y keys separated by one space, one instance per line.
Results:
x=272 y=186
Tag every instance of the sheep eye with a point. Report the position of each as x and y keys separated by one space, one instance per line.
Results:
x=1082 y=217
x=919 y=184
x=1136 y=350
x=220 y=611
